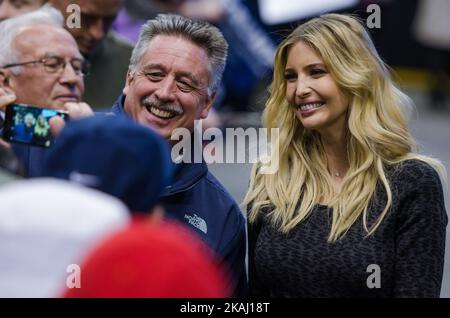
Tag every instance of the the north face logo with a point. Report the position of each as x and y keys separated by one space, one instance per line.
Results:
x=197 y=222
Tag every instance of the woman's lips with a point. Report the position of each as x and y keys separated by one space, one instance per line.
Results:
x=307 y=109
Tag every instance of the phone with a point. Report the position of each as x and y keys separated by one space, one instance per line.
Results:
x=29 y=125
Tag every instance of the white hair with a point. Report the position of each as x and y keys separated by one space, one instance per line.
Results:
x=9 y=28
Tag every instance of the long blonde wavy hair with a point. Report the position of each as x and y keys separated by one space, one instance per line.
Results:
x=377 y=135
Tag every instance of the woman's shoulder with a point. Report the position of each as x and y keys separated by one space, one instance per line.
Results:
x=414 y=168
x=414 y=173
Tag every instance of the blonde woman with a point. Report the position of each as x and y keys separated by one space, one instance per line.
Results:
x=41 y=131
x=352 y=211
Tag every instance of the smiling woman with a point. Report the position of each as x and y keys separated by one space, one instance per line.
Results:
x=350 y=193
x=311 y=90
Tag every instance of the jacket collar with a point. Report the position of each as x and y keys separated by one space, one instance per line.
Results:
x=118 y=108
x=186 y=175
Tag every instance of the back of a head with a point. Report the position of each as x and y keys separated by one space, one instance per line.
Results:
x=151 y=260
x=46 y=225
x=114 y=155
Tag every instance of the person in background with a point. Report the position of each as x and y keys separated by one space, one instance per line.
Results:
x=107 y=53
x=353 y=210
x=41 y=130
x=11 y=8
x=47 y=226
x=40 y=65
x=154 y=259
x=23 y=131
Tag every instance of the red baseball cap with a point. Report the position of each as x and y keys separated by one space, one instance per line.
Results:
x=158 y=259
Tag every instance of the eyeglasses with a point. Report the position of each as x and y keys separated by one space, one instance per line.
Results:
x=55 y=64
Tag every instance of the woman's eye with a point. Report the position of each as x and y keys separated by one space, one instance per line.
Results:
x=317 y=72
x=290 y=77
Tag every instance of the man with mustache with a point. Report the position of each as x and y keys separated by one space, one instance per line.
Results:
x=174 y=72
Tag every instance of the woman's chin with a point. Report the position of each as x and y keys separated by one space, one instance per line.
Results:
x=310 y=123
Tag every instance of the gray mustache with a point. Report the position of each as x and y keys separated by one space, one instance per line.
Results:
x=151 y=102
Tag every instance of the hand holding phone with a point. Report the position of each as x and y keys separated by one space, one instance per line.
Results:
x=30 y=124
x=6 y=98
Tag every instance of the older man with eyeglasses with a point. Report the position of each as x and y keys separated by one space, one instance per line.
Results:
x=40 y=65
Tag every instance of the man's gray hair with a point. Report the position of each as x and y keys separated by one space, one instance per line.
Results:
x=200 y=33
x=9 y=28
